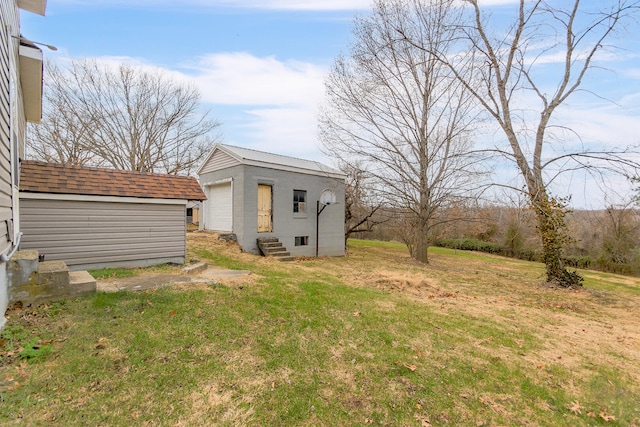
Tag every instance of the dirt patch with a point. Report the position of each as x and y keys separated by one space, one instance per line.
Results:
x=215 y=401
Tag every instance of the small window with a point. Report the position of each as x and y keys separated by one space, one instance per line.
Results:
x=299 y=201
x=302 y=240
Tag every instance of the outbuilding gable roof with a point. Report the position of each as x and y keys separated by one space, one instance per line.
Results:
x=247 y=156
x=42 y=177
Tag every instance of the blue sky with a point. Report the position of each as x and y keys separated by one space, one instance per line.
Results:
x=260 y=65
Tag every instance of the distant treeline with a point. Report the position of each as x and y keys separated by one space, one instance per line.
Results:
x=606 y=240
x=584 y=262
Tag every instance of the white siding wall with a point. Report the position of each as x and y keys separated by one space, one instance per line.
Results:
x=9 y=26
x=91 y=234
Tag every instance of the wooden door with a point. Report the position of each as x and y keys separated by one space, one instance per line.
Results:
x=265 y=223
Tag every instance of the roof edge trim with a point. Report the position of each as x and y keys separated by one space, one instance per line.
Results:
x=35 y=6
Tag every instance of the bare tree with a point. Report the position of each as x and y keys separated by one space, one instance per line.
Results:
x=620 y=233
x=507 y=80
x=400 y=114
x=362 y=210
x=123 y=117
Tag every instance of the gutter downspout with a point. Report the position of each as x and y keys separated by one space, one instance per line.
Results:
x=7 y=257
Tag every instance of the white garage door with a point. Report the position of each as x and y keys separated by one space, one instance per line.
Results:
x=220 y=216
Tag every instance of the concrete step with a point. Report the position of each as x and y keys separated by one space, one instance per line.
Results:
x=267 y=239
x=279 y=254
x=53 y=273
x=272 y=247
x=34 y=282
x=195 y=268
x=80 y=283
x=228 y=237
x=271 y=244
x=49 y=282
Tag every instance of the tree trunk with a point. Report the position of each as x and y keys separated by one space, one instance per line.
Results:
x=422 y=246
x=550 y=216
x=421 y=237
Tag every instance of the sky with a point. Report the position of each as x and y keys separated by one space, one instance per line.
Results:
x=260 y=66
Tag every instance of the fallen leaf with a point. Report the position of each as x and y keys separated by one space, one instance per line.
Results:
x=356 y=314
x=419 y=406
x=173 y=313
x=606 y=417
x=575 y=407
x=591 y=414
x=412 y=368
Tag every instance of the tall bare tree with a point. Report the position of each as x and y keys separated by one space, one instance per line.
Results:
x=400 y=114
x=123 y=117
x=509 y=81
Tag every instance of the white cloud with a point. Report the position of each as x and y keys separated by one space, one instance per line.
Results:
x=244 y=79
x=291 y=131
x=281 y=99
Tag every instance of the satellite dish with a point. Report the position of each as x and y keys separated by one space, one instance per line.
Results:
x=328 y=197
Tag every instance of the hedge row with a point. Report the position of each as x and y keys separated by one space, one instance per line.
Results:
x=583 y=262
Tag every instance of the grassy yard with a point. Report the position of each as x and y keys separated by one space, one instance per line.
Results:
x=370 y=339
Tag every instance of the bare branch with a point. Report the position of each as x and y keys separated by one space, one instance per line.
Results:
x=122 y=117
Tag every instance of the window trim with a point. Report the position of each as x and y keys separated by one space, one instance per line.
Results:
x=301 y=241
x=296 y=203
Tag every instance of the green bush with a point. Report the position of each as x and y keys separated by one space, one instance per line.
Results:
x=584 y=262
x=469 y=245
x=605 y=263
x=602 y=263
x=488 y=247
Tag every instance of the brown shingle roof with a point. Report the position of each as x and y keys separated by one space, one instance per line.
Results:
x=42 y=177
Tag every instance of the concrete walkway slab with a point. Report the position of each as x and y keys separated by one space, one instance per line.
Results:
x=152 y=281
x=219 y=274
x=140 y=283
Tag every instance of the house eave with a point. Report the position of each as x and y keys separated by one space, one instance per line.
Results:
x=35 y=6
x=31 y=82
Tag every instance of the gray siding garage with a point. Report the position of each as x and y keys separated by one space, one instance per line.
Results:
x=94 y=234
x=90 y=231
x=256 y=194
